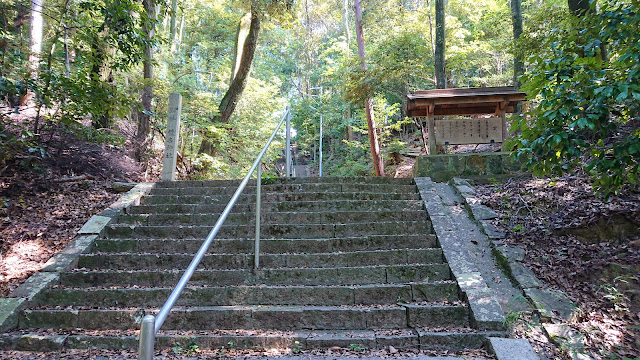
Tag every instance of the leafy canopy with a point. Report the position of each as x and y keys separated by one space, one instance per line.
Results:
x=587 y=106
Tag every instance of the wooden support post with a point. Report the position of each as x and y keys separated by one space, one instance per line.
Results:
x=171 y=138
x=503 y=117
x=432 y=132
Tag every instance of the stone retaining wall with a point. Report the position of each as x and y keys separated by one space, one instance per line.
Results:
x=442 y=168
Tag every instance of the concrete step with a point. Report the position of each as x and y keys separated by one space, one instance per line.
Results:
x=385 y=294
x=276 y=317
x=450 y=340
x=292 y=188
x=127 y=261
x=314 y=180
x=334 y=217
x=359 y=275
x=267 y=246
x=285 y=206
x=270 y=231
x=274 y=197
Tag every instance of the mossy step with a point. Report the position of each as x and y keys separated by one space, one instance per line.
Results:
x=126 y=261
x=255 y=295
x=328 y=217
x=285 y=206
x=254 y=339
x=255 y=317
x=306 y=187
x=297 y=276
x=267 y=246
x=270 y=231
x=311 y=180
x=274 y=197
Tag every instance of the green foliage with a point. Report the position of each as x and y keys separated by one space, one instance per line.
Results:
x=357 y=347
x=587 y=108
x=19 y=140
x=191 y=348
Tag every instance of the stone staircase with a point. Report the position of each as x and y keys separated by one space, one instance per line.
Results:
x=350 y=262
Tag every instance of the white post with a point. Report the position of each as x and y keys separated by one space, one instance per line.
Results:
x=171 y=138
x=288 y=145
x=256 y=260
x=320 y=166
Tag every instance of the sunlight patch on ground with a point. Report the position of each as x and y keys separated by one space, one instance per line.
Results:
x=23 y=257
x=602 y=326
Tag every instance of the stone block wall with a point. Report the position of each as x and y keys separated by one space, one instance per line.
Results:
x=442 y=168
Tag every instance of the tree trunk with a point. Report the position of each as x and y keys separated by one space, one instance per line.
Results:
x=241 y=36
x=516 y=17
x=172 y=24
x=180 y=32
x=347 y=33
x=441 y=82
x=144 y=117
x=345 y=20
x=378 y=165
x=35 y=47
x=232 y=96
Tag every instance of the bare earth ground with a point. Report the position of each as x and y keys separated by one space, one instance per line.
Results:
x=586 y=246
x=40 y=211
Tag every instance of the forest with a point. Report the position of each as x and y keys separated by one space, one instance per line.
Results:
x=102 y=71
x=84 y=89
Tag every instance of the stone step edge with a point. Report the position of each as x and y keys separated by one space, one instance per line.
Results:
x=292 y=180
x=298 y=340
x=250 y=215
x=292 y=188
x=443 y=293
x=264 y=286
x=324 y=276
x=107 y=253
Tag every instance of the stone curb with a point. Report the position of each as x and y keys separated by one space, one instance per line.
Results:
x=486 y=313
x=554 y=307
x=29 y=291
x=551 y=305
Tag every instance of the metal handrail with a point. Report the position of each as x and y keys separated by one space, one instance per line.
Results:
x=151 y=324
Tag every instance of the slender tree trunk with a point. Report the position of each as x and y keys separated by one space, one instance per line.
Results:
x=144 y=118
x=516 y=18
x=172 y=24
x=180 y=32
x=378 y=165
x=347 y=33
x=67 y=62
x=234 y=93
x=518 y=64
x=441 y=81
x=35 y=47
x=345 y=21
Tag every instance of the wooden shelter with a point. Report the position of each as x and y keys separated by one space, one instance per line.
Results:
x=493 y=101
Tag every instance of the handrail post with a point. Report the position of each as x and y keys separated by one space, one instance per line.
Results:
x=256 y=262
x=147 y=338
x=320 y=163
x=288 y=144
